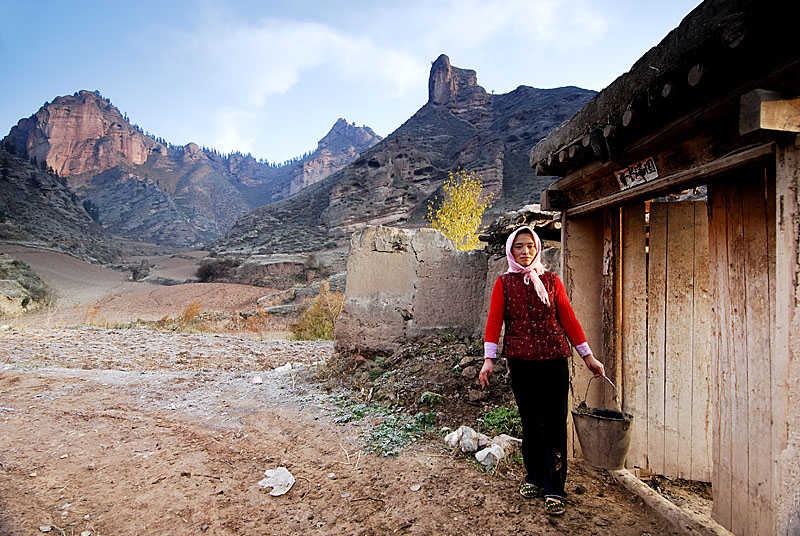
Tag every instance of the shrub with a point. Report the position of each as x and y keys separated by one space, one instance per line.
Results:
x=190 y=312
x=216 y=270
x=319 y=320
x=459 y=215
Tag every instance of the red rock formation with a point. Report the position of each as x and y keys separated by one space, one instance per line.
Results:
x=82 y=134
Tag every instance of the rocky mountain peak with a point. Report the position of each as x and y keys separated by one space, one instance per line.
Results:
x=392 y=183
x=344 y=134
x=447 y=82
x=149 y=190
x=81 y=133
x=340 y=146
x=456 y=89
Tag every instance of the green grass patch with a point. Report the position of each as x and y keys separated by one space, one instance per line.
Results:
x=502 y=420
x=397 y=431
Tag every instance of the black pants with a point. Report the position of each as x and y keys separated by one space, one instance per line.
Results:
x=540 y=389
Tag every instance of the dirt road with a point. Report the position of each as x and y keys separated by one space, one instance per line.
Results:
x=144 y=432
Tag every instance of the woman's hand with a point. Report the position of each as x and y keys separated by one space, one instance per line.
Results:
x=486 y=371
x=595 y=366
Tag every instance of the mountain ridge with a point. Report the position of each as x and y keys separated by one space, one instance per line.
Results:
x=460 y=126
x=146 y=189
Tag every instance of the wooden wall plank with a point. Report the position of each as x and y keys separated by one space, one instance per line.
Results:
x=738 y=350
x=758 y=355
x=701 y=351
x=678 y=339
x=656 y=294
x=634 y=330
x=720 y=366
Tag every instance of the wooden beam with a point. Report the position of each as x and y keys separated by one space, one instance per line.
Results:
x=541 y=170
x=666 y=90
x=696 y=74
x=630 y=118
x=672 y=180
x=594 y=140
x=768 y=110
x=553 y=200
x=576 y=151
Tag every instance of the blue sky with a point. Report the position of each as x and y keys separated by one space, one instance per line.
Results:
x=271 y=77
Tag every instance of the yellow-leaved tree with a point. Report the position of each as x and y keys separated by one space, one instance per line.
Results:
x=459 y=214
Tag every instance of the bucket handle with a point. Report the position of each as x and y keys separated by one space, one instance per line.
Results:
x=616 y=392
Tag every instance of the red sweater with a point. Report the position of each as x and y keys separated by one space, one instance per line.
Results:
x=565 y=314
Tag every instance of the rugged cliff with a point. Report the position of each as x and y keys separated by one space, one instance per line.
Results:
x=36 y=208
x=145 y=189
x=461 y=125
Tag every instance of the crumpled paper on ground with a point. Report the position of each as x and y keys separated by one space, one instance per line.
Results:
x=280 y=480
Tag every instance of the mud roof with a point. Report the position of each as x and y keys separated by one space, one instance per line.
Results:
x=718 y=47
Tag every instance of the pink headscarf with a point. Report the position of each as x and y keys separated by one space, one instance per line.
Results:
x=531 y=272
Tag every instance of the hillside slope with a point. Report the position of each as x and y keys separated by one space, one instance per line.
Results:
x=391 y=183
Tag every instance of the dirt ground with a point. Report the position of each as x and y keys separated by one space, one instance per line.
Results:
x=87 y=294
x=133 y=431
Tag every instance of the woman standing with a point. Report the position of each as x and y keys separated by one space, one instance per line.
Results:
x=539 y=320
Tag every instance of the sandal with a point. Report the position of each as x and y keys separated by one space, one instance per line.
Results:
x=529 y=491
x=554 y=506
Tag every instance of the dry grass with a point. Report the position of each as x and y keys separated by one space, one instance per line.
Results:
x=319 y=320
x=190 y=312
x=90 y=316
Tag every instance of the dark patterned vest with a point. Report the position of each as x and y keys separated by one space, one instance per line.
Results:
x=533 y=330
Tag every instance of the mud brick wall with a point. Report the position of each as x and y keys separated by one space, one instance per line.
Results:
x=404 y=284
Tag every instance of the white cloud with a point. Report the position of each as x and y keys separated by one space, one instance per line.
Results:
x=251 y=61
x=253 y=64
x=233 y=130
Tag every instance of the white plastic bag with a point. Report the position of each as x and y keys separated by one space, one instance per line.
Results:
x=280 y=480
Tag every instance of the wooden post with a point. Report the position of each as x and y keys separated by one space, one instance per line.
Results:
x=610 y=302
x=656 y=336
x=702 y=358
x=720 y=350
x=786 y=378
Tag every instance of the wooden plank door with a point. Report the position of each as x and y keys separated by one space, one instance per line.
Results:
x=665 y=332
x=742 y=260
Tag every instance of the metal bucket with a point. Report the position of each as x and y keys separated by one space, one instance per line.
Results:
x=604 y=434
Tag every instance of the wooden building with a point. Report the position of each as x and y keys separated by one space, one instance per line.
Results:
x=680 y=197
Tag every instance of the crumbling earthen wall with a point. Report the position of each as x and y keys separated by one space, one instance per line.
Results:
x=403 y=284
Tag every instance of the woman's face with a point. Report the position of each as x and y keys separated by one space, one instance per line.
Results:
x=523 y=249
